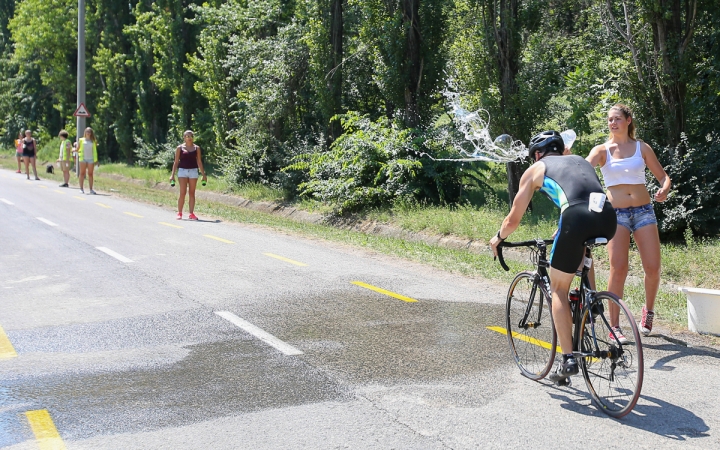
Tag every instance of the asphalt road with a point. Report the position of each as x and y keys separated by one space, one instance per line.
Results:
x=127 y=329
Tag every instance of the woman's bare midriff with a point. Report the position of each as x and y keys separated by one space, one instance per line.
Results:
x=628 y=195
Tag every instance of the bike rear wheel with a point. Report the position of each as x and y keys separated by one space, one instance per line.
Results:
x=615 y=377
x=530 y=329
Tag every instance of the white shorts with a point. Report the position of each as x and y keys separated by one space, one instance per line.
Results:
x=187 y=173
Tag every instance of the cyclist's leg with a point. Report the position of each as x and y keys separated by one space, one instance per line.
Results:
x=560 y=284
x=618 y=249
x=567 y=255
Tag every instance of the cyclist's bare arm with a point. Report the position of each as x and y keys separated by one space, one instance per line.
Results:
x=531 y=181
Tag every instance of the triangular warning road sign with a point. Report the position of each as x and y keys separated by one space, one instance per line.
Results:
x=81 y=111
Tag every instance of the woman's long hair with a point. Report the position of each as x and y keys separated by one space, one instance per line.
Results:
x=92 y=134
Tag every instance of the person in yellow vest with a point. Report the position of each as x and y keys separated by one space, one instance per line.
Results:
x=64 y=157
x=88 y=158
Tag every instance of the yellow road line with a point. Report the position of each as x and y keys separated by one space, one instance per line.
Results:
x=78 y=197
x=282 y=258
x=44 y=429
x=59 y=192
x=383 y=291
x=218 y=239
x=537 y=342
x=103 y=205
x=525 y=338
x=133 y=214
x=169 y=224
x=41 y=186
x=6 y=348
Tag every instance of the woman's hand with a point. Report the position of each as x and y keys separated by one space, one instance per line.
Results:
x=204 y=178
x=661 y=195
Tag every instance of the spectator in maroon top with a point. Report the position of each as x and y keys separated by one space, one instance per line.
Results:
x=29 y=149
x=188 y=162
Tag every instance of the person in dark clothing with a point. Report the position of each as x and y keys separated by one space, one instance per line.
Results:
x=29 y=152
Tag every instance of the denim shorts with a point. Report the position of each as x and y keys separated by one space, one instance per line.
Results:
x=636 y=217
x=187 y=173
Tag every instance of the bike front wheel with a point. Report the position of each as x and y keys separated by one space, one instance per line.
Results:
x=614 y=374
x=530 y=328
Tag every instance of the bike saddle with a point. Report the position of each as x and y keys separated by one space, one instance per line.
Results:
x=595 y=242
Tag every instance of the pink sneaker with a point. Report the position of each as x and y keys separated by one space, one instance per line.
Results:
x=619 y=334
x=647 y=321
x=179 y=216
x=192 y=216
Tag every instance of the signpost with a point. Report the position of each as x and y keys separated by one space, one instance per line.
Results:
x=81 y=111
x=80 y=79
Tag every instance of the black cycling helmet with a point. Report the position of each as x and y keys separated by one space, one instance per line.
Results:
x=545 y=142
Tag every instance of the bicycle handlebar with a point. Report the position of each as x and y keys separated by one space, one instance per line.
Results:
x=532 y=243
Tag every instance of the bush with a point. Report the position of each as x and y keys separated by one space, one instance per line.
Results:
x=374 y=164
x=48 y=151
x=155 y=155
x=693 y=201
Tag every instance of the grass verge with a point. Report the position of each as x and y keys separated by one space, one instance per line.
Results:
x=680 y=265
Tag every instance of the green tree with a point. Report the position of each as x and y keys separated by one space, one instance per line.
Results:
x=45 y=38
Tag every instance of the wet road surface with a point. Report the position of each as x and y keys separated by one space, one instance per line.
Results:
x=126 y=349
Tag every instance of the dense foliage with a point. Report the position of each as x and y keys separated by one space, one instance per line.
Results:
x=341 y=100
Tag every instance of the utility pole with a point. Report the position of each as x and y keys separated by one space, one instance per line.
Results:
x=80 y=78
x=81 y=66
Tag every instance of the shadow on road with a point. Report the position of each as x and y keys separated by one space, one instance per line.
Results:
x=650 y=414
x=677 y=350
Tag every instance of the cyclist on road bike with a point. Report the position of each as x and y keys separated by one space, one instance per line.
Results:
x=573 y=186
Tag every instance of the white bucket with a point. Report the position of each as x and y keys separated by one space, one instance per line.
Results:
x=703 y=307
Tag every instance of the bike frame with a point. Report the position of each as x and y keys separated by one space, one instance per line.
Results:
x=587 y=297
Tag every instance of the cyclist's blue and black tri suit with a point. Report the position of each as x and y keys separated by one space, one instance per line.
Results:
x=569 y=181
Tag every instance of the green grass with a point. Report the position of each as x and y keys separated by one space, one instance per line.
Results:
x=681 y=265
x=152 y=177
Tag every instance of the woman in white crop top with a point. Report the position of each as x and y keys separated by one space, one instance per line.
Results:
x=622 y=160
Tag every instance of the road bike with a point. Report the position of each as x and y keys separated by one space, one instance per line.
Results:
x=613 y=371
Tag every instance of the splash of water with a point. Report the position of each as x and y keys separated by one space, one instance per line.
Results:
x=475 y=126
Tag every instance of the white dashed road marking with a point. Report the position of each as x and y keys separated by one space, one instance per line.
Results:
x=260 y=334
x=45 y=221
x=115 y=255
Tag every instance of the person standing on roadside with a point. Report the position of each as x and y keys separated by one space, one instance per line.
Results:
x=622 y=160
x=88 y=158
x=188 y=161
x=64 y=157
x=19 y=151
x=29 y=149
